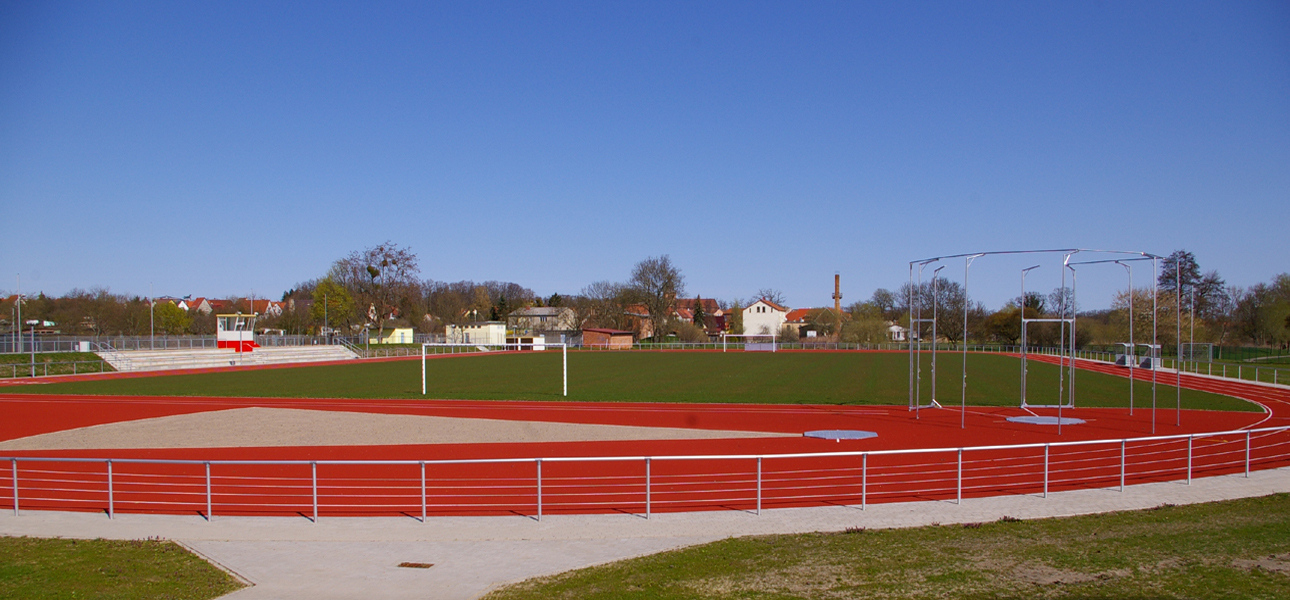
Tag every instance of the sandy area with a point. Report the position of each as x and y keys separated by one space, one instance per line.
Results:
x=260 y=427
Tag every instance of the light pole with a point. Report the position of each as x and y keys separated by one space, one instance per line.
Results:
x=1023 y=332
x=326 y=323
x=1178 y=337
x=152 y=330
x=17 y=323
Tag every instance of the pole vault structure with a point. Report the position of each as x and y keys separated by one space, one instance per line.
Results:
x=1067 y=315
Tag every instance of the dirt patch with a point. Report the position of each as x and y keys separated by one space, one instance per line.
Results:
x=278 y=427
x=1275 y=563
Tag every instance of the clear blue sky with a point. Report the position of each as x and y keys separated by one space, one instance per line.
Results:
x=221 y=148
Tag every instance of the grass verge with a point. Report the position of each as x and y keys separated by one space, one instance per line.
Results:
x=52 y=363
x=1235 y=549
x=106 y=569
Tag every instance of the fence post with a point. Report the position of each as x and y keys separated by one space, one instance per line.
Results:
x=13 y=465
x=423 y=491
x=539 y=489
x=208 y=492
x=959 y=499
x=1046 y=470
x=759 y=486
x=313 y=476
x=111 y=498
x=864 y=481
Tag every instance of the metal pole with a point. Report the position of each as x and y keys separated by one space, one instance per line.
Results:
x=1045 y=470
x=1131 y=358
x=967 y=262
x=209 y=514
x=935 y=291
x=152 y=329
x=1178 y=338
x=564 y=366
x=1189 y=445
x=111 y=496
x=864 y=481
x=423 y=370
x=13 y=466
x=909 y=310
x=959 y=499
x=539 y=489
x=759 y=486
x=423 y=485
x=648 y=499
x=1247 y=471
x=1122 y=445
x=1023 y=331
x=1155 y=337
x=313 y=469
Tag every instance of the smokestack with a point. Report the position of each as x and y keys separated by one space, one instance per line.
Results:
x=837 y=294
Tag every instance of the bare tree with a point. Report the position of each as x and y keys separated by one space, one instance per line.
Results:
x=772 y=295
x=657 y=283
x=378 y=278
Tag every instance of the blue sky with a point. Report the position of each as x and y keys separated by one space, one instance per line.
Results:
x=228 y=148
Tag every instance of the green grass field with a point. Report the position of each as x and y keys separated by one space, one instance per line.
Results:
x=1235 y=549
x=107 y=569
x=758 y=378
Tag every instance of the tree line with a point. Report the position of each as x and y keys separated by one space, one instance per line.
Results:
x=380 y=287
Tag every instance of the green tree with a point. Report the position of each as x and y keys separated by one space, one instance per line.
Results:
x=700 y=317
x=736 y=320
x=171 y=319
x=332 y=304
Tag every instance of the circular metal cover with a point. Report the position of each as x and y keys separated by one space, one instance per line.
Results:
x=1035 y=420
x=840 y=434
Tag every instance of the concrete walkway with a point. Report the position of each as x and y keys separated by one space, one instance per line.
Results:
x=352 y=558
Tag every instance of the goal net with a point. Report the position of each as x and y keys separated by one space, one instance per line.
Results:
x=1197 y=352
x=749 y=342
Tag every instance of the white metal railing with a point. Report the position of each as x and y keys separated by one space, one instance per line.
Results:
x=808 y=478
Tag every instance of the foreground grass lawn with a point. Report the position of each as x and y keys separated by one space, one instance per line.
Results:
x=1237 y=549
x=107 y=569
x=758 y=378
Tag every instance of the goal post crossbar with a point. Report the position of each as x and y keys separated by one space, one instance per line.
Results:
x=509 y=346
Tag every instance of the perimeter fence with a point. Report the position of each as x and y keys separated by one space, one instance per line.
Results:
x=639 y=485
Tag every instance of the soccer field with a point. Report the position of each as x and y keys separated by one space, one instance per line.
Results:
x=709 y=377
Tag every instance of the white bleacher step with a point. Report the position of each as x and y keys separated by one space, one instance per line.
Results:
x=205 y=358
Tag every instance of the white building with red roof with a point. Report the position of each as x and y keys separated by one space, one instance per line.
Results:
x=764 y=316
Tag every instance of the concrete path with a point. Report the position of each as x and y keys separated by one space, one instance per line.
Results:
x=352 y=558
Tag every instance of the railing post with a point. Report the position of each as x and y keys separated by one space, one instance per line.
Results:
x=423 y=491
x=960 y=478
x=1189 y=445
x=864 y=480
x=1122 y=444
x=313 y=476
x=758 y=486
x=13 y=465
x=1046 y=470
x=111 y=498
x=647 y=488
x=208 y=492
x=1247 y=463
x=539 y=489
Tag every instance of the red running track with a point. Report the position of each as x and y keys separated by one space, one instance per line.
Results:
x=731 y=477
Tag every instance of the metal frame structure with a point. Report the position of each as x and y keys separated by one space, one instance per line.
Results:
x=564 y=358
x=1066 y=359
x=772 y=336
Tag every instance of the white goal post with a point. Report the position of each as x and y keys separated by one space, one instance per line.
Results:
x=748 y=335
x=509 y=347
